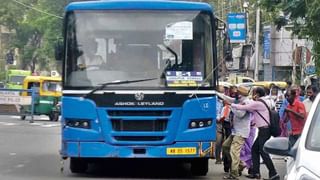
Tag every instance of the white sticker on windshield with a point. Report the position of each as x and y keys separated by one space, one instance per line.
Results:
x=181 y=30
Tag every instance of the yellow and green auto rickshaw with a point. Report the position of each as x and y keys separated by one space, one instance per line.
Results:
x=47 y=96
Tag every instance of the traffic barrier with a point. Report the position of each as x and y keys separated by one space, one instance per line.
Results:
x=12 y=102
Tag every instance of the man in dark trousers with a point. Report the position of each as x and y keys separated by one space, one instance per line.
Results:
x=261 y=119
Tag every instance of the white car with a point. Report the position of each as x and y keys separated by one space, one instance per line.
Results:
x=304 y=156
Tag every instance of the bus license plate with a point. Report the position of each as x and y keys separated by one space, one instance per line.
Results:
x=182 y=151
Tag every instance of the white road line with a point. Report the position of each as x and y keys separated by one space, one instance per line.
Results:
x=10 y=124
x=44 y=124
x=15 y=117
x=50 y=125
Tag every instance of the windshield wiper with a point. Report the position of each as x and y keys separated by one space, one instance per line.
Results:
x=103 y=85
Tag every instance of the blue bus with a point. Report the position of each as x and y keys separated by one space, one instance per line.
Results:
x=138 y=82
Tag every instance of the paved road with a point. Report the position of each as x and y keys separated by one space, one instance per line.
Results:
x=30 y=152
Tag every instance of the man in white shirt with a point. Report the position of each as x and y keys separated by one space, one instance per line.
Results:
x=312 y=92
x=89 y=59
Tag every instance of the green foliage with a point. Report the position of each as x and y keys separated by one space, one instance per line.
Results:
x=303 y=15
x=36 y=29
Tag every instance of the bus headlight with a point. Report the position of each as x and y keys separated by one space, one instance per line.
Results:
x=78 y=123
x=200 y=123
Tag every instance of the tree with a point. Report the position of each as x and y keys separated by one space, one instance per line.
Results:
x=302 y=15
x=38 y=25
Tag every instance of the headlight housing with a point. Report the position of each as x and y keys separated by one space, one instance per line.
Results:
x=78 y=123
x=200 y=123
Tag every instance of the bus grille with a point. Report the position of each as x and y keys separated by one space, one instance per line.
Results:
x=139 y=138
x=139 y=125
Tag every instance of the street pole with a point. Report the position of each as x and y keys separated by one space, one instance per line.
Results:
x=302 y=64
x=248 y=25
x=246 y=11
x=256 y=70
x=295 y=54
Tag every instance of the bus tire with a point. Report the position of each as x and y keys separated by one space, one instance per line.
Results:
x=78 y=165
x=199 y=167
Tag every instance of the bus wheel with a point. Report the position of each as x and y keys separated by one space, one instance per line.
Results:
x=78 y=165
x=199 y=167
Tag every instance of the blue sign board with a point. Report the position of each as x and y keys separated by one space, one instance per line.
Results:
x=266 y=42
x=237 y=27
x=310 y=70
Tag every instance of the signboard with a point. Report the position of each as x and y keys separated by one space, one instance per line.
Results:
x=310 y=69
x=266 y=44
x=183 y=78
x=13 y=97
x=237 y=27
x=180 y=30
x=26 y=100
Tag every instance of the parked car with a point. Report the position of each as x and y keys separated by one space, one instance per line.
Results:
x=304 y=156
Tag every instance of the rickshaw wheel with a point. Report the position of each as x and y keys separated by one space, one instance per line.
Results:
x=23 y=117
x=54 y=116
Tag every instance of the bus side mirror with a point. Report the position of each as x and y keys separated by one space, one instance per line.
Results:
x=58 y=51
x=227 y=49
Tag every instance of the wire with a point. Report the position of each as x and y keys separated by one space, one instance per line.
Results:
x=30 y=7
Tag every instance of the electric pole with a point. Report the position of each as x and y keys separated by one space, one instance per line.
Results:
x=256 y=70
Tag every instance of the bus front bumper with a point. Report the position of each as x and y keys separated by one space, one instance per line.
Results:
x=104 y=150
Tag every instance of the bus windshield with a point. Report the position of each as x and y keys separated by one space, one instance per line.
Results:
x=15 y=79
x=105 y=46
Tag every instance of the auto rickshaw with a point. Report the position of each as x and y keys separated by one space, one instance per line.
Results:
x=47 y=96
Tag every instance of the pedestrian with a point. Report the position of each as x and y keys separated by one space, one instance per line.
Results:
x=268 y=99
x=312 y=92
x=286 y=126
x=224 y=116
x=240 y=128
x=261 y=119
x=296 y=114
x=219 y=129
x=233 y=96
x=245 y=154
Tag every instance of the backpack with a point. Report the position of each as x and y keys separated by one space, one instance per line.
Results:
x=274 y=124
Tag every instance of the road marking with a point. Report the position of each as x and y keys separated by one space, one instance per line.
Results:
x=8 y=123
x=45 y=125
x=50 y=125
x=19 y=165
x=35 y=124
x=42 y=117
x=15 y=117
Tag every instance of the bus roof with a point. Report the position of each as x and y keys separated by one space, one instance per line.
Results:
x=139 y=5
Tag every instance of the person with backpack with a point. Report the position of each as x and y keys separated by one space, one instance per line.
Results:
x=296 y=113
x=261 y=119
